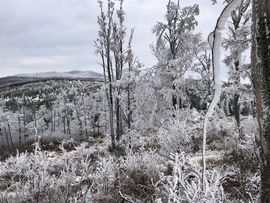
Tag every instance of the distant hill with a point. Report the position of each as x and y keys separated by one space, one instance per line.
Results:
x=35 y=77
x=70 y=74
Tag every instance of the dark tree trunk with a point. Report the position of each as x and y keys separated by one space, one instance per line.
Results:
x=51 y=119
x=64 y=124
x=10 y=136
x=129 y=107
x=236 y=109
x=54 y=117
x=119 y=130
x=174 y=99
x=84 y=117
x=261 y=22
x=79 y=120
x=236 y=96
x=20 y=130
x=68 y=123
x=5 y=129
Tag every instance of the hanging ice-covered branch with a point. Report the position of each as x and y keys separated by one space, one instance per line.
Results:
x=216 y=44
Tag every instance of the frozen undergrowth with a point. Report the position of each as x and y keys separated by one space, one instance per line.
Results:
x=43 y=176
x=89 y=173
x=185 y=183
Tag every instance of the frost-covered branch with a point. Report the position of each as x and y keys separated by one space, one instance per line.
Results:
x=225 y=14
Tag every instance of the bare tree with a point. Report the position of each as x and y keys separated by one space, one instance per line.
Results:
x=110 y=47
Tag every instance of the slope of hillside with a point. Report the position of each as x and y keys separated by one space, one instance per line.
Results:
x=21 y=79
x=70 y=74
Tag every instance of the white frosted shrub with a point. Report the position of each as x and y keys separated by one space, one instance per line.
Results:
x=175 y=134
x=174 y=138
x=37 y=177
x=131 y=140
x=185 y=183
x=133 y=177
x=249 y=125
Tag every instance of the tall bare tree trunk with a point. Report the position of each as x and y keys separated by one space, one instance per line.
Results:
x=261 y=64
x=51 y=119
x=5 y=129
x=54 y=117
x=68 y=122
x=84 y=117
x=264 y=53
x=10 y=136
x=2 y=141
x=20 y=130
x=64 y=124
x=79 y=119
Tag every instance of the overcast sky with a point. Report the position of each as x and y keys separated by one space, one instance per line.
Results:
x=58 y=35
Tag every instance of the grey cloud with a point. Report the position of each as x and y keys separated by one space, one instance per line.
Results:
x=45 y=23
x=40 y=35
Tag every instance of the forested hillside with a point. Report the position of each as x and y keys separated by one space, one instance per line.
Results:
x=53 y=109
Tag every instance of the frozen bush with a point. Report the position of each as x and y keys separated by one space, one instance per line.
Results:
x=135 y=141
x=222 y=133
x=185 y=183
x=175 y=134
x=242 y=174
x=249 y=125
x=174 y=138
x=36 y=177
x=131 y=140
x=141 y=174
x=134 y=176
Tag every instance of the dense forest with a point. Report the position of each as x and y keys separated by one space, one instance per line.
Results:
x=173 y=132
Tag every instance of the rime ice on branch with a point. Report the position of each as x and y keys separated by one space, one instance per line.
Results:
x=217 y=39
